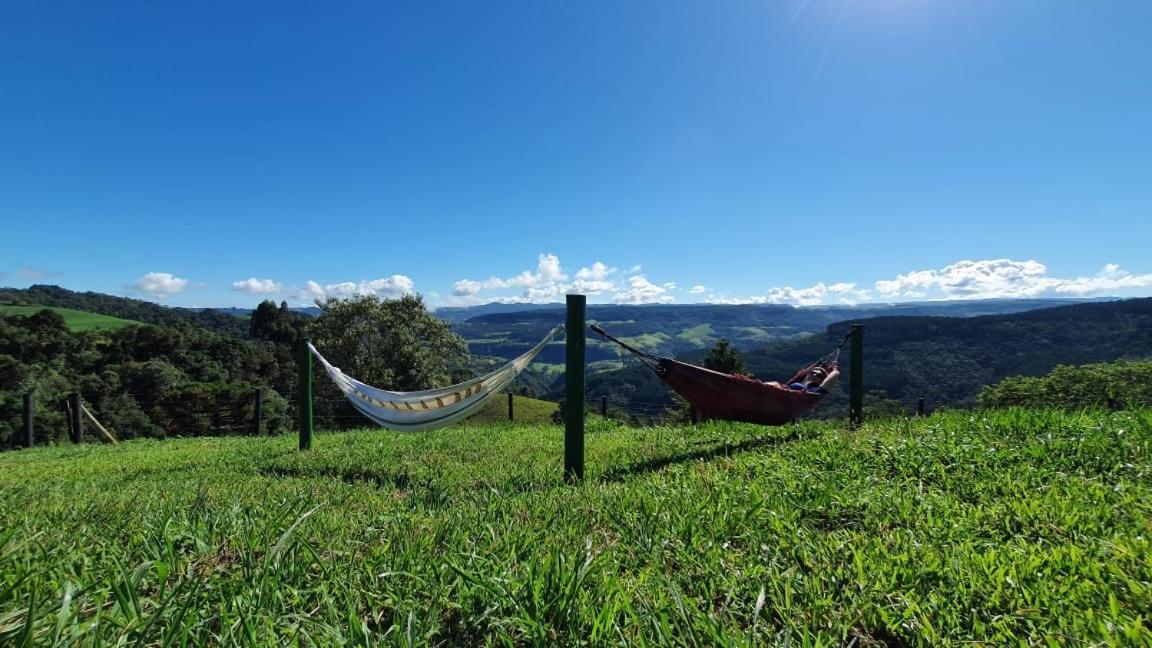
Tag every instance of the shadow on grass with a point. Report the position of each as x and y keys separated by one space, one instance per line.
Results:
x=656 y=464
x=380 y=478
x=434 y=492
x=428 y=489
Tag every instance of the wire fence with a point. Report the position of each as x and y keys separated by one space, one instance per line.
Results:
x=203 y=412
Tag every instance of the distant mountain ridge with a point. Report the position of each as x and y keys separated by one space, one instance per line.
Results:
x=506 y=330
x=672 y=329
x=945 y=360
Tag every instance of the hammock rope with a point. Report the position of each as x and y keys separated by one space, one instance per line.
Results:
x=432 y=408
x=733 y=397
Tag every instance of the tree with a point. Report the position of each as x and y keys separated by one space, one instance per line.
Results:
x=1112 y=385
x=724 y=358
x=263 y=320
x=276 y=324
x=392 y=344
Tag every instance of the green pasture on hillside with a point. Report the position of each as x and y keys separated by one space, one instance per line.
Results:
x=1009 y=528
x=524 y=409
x=76 y=320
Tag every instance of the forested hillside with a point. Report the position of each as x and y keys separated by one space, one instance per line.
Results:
x=945 y=360
x=173 y=376
x=152 y=380
x=157 y=380
x=125 y=308
x=1124 y=384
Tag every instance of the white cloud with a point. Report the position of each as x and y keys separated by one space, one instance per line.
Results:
x=597 y=272
x=984 y=279
x=698 y=289
x=466 y=287
x=160 y=284
x=549 y=282
x=591 y=287
x=312 y=290
x=594 y=280
x=1000 y=278
x=972 y=280
x=813 y=295
x=391 y=287
x=821 y=293
x=642 y=291
x=1112 y=278
x=254 y=286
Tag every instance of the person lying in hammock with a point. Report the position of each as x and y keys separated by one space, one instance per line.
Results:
x=816 y=381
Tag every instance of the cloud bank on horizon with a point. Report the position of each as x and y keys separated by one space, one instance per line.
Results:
x=549 y=281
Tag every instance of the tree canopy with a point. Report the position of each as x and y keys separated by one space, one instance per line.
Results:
x=724 y=358
x=393 y=344
x=1112 y=385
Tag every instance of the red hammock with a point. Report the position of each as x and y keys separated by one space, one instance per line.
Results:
x=731 y=397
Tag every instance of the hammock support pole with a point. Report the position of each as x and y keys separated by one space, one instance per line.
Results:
x=75 y=418
x=26 y=436
x=304 y=392
x=856 y=378
x=575 y=336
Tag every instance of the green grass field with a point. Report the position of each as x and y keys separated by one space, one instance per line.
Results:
x=75 y=319
x=1013 y=528
x=524 y=409
x=646 y=341
x=697 y=335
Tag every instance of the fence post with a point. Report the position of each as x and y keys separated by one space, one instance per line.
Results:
x=604 y=405
x=694 y=415
x=26 y=438
x=77 y=418
x=920 y=407
x=304 y=392
x=511 y=408
x=258 y=412
x=856 y=379
x=574 y=389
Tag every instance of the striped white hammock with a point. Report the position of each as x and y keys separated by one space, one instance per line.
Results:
x=433 y=408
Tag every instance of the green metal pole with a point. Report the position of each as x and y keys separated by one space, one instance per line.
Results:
x=74 y=404
x=574 y=390
x=304 y=393
x=26 y=435
x=257 y=412
x=856 y=378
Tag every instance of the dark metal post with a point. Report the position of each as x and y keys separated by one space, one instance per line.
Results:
x=604 y=405
x=304 y=393
x=856 y=379
x=695 y=415
x=574 y=389
x=920 y=407
x=77 y=418
x=511 y=408
x=26 y=438
x=258 y=412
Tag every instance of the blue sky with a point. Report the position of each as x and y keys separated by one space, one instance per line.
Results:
x=799 y=151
